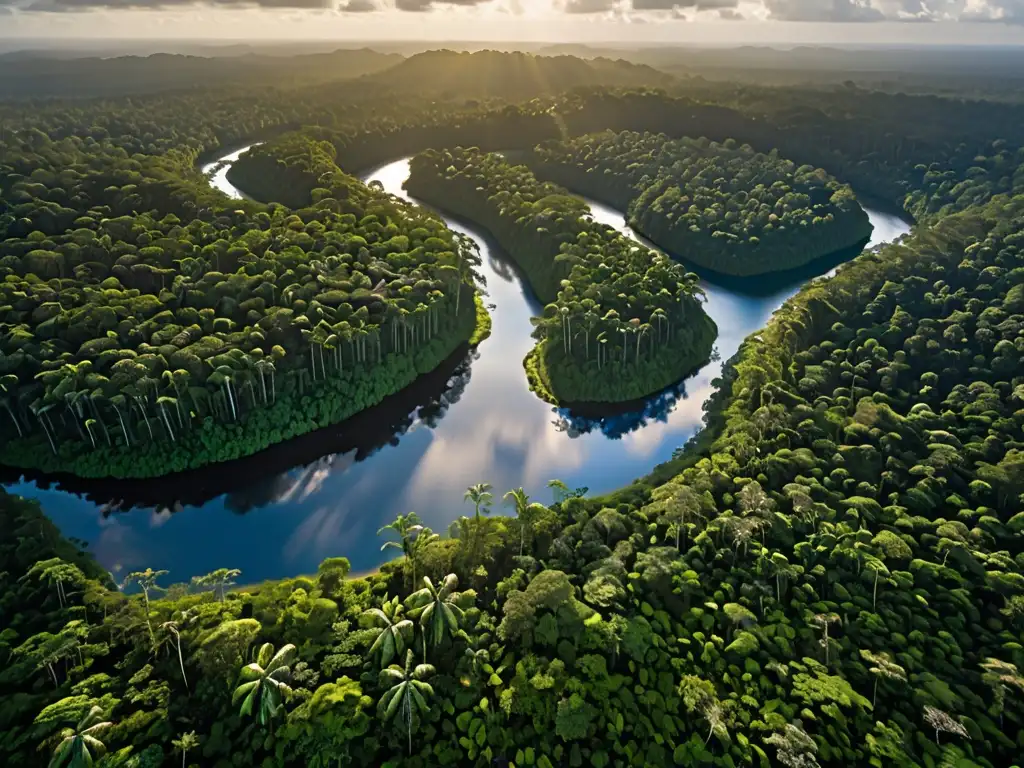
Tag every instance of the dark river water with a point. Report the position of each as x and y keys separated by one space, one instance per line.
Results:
x=283 y=511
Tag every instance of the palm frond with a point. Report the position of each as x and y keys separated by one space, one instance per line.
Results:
x=243 y=690
x=264 y=656
x=282 y=656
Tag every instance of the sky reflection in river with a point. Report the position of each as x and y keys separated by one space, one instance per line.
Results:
x=483 y=425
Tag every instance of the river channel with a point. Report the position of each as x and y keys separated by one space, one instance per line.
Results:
x=280 y=513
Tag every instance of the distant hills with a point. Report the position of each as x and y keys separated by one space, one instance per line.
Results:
x=33 y=74
x=512 y=75
x=41 y=72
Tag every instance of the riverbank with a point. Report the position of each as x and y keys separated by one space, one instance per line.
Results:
x=485 y=417
x=598 y=343
x=661 y=210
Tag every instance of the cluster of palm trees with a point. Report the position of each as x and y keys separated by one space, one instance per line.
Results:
x=264 y=683
x=438 y=611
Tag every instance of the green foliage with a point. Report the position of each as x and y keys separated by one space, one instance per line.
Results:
x=719 y=206
x=831 y=574
x=169 y=333
x=637 y=311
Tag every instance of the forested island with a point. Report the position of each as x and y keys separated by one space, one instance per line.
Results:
x=723 y=207
x=201 y=331
x=619 y=322
x=830 y=574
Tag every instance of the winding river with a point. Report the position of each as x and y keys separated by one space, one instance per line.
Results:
x=283 y=511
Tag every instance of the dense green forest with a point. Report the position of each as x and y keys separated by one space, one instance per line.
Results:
x=205 y=329
x=830 y=574
x=836 y=581
x=723 y=207
x=620 y=321
x=927 y=155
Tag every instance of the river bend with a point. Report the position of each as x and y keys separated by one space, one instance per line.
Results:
x=475 y=420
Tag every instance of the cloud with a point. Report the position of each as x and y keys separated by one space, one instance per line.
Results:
x=730 y=14
x=1005 y=11
x=73 y=6
x=588 y=6
x=422 y=6
x=684 y=4
x=359 y=6
x=822 y=10
x=668 y=5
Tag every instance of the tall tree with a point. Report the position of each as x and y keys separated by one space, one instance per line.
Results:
x=795 y=748
x=408 y=692
x=822 y=621
x=412 y=537
x=482 y=498
x=526 y=511
x=173 y=629
x=218 y=580
x=1000 y=676
x=147 y=581
x=943 y=722
x=184 y=743
x=882 y=667
x=57 y=573
x=437 y=609
x=699 y=696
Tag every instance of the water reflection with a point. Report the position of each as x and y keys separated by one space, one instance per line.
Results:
x=326 y=494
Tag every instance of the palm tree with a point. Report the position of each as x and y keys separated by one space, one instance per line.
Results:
x=173 y=628
x=1000 y=676
x=394 y=633
x=184 y=743
x=8 y=386
x=413 y=537
x=437 y=609
x=265 y=683
x=876 y=565
x=219 y=580
x=481 y=496
x=162 y=404
x=57 y=573
x=146 y=580
x=526 y=512
x=80 y=746
x=121 y=408
x=882 y=666
x=408 y=692
x=822 y=621
x=559 y=490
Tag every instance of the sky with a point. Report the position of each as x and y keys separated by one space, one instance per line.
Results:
x=975 y=22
